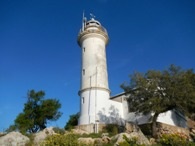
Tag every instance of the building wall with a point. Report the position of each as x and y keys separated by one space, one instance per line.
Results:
x=94 y=66
x=174 y=118
x=171 y=117
x=96 y=106
x=92 y=103
x=91 y=128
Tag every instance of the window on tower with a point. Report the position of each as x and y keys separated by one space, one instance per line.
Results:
x=83 y=71
x=83 y=100
x=84 y=49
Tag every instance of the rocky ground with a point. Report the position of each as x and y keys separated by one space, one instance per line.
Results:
x=17 y=139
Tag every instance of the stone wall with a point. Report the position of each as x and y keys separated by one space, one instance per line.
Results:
x=168 y=129
x=165 y=129
x=91 y=128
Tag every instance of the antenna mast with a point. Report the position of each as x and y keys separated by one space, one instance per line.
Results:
x=83 y=21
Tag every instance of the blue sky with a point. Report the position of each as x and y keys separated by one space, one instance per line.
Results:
x=39 y=50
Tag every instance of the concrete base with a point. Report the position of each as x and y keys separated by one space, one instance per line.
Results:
x=91 y=128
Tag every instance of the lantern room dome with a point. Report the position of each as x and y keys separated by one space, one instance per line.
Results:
x=93 y=22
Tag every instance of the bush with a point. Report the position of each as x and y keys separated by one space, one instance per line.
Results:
x=61 y=140
x=129 y=142
x=174 y=140
x=112 y=129
x=58 y=130
x=146 y=128
x=92 y=135
x=73 y=121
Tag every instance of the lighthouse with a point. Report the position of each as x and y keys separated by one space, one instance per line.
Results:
x=94 y=90
x=97 y=108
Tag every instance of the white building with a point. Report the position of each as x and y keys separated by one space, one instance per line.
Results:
x=96 y=105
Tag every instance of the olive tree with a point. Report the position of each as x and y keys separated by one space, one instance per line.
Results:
x=37 y=112
x=160 y=91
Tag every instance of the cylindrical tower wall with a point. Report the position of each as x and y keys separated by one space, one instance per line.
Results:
x=94 y=91
x=94 y=66
x=92 y=106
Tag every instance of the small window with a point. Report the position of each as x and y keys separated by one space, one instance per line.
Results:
x=83 y=71
x=83 y=100
x=84 y=49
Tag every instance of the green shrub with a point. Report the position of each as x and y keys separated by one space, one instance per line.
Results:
x=112 y=129
x=174 y=140
x=58 y=130
x=92 y=135
x=146 y=129
x=129 y=142
x=31 y=139
x=72 y=122
x=61 y=140
x=111 y=143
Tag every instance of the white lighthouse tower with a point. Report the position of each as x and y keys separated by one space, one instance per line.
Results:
x=94 y=91
x=96 y=105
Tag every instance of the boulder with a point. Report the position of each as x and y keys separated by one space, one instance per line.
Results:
x=141 y=139
x=106 y=139
x=79 y=131
x=192 y=131
x=14 y=139
x=98 y=141
x=104 y=134
x=152 y=141
x=131 y=127
x=41 y=135
x=87 y=141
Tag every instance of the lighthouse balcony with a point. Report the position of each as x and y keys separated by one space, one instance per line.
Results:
x=93 y=30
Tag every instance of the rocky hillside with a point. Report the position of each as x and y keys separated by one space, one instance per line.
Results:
x=49 y=137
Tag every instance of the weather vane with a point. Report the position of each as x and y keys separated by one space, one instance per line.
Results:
x=92 y=16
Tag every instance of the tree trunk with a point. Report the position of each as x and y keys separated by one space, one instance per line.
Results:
x=154 y=126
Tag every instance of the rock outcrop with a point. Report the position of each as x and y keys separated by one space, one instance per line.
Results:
x=79 y=131
x=140 y=138
x=41 y=135
x=132 y=131
x=87 y=141
x=14 y=139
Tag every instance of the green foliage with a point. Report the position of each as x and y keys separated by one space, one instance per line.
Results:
x=61 y=140
x=129 y=142
x=11 y=128
x=73 y=121
x=37 y=112
x=146 y=128
x=31 y=137
x=92 y=135
x=58 y=130
x=161 y=91
x=72 y=140
x=111 y=143
x=112 y=129
x=174 y=140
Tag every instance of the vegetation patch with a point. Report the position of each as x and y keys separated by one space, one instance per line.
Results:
x=175 y=140
x=61 y=140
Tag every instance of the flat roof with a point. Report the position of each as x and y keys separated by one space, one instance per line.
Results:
x=117 y=97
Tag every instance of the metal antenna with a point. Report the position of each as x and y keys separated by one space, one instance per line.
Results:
x=83 y=21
